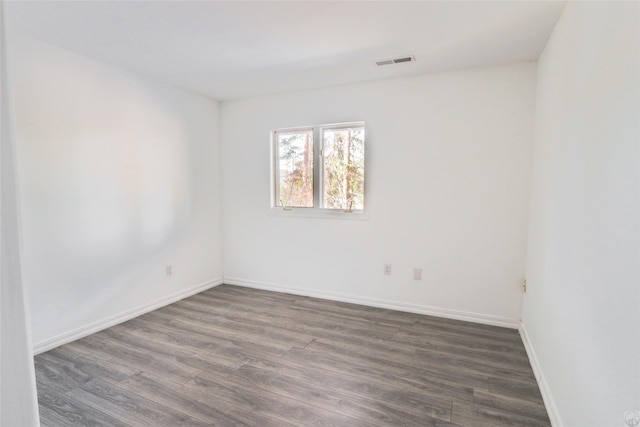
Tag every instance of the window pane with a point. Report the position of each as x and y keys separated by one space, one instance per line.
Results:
x=295 y=169
x=343 y=168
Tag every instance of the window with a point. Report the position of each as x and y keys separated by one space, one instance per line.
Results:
x=342 y=157
x=294 y=170
x=319 y=168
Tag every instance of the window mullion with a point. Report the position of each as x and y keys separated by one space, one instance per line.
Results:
x=317 y=168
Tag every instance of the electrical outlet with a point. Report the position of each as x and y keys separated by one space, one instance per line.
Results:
x=417 y=274
x=168 y=270
x=387 y=269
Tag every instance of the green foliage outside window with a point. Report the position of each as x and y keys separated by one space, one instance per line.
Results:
x=343 y=171
x=296 y=169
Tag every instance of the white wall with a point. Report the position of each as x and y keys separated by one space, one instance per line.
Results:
x=448 y=179
x=581 y=310
x=18 y=400
x=120 y=177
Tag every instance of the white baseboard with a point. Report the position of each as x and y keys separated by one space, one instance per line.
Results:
x=110 y=321
x=374 y=302
x=547 y=397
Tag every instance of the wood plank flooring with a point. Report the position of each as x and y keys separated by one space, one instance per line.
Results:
x=233 y=356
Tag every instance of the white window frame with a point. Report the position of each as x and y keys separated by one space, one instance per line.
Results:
x=317 y=211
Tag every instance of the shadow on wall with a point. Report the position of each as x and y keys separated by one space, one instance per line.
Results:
x=104 y=167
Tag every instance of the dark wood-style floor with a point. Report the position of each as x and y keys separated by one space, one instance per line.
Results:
x=234 y=356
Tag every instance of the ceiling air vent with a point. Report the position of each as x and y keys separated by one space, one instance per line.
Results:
x=398 y=60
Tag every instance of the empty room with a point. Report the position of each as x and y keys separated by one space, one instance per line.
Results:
x=320 y=213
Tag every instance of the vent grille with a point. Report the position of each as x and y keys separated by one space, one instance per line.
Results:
x=398 y=60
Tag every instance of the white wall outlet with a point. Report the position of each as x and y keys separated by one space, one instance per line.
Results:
x=168 y=270
x=417 y=274
x=387 y=269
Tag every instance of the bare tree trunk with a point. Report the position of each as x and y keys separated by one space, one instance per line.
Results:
x=306 y=168
x=347 y=176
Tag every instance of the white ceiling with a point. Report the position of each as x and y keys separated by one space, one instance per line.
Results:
x=232 y=49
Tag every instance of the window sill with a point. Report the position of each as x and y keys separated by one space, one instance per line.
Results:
x=356 y=215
